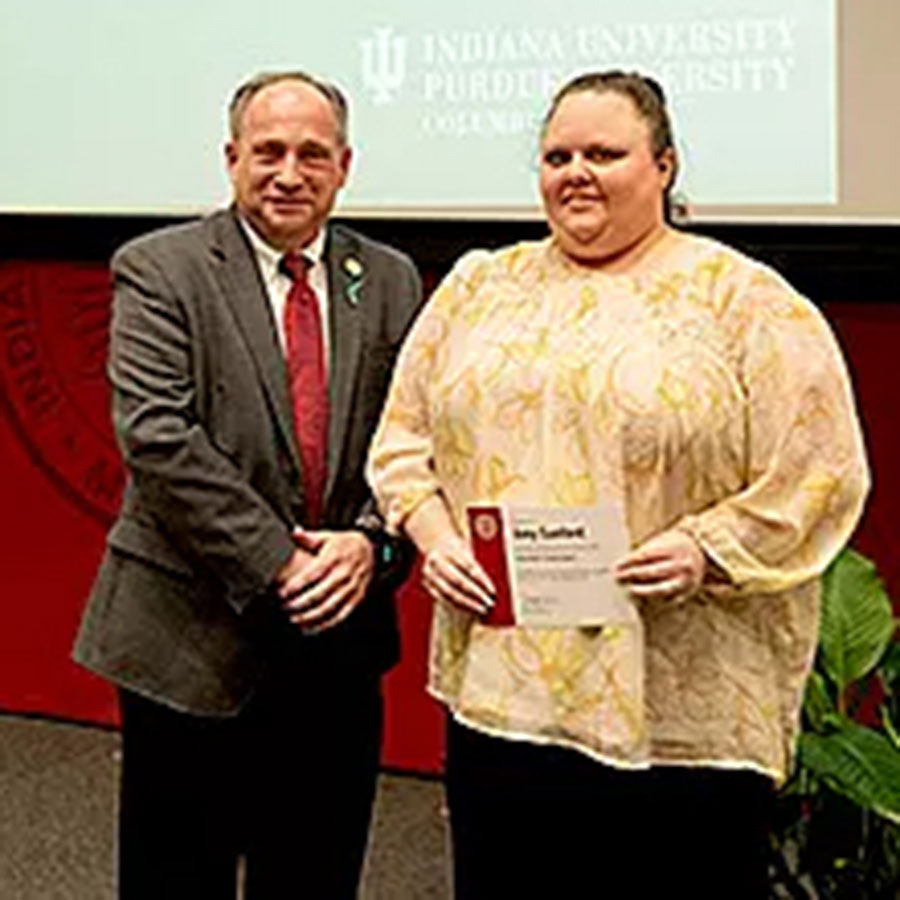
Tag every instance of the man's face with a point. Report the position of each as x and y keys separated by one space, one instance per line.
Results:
x=287 y=163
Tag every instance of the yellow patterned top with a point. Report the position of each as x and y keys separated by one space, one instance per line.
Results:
x=701 y=393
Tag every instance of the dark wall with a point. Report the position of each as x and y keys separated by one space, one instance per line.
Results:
x=825 y=262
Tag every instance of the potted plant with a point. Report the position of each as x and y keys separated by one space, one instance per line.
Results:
x=837 y=831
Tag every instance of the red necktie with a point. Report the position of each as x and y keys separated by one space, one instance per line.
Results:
x=307 y=380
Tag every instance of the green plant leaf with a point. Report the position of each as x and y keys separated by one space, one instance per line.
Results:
x=817 y=704
x=857 y=762
x=890 y=668
x=857 y=620
x=889 y=727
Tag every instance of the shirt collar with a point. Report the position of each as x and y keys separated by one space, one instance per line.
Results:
x=269 y=257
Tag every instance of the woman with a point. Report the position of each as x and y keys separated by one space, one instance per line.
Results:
x=623 y=360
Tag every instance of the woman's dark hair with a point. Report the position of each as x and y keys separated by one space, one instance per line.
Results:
x=649 y=100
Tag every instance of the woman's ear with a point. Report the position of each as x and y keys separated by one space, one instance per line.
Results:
x=667 y=163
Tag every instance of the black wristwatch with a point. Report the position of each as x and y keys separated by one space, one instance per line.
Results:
x=393 y=554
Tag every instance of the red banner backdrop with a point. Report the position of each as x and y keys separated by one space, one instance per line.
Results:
x=60 y=480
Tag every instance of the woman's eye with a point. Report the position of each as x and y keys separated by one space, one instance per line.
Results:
x=557 y=157
x=602 y=154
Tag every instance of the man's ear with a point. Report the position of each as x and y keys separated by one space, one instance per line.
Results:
x=344 y=162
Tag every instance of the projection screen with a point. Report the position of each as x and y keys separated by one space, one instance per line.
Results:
x=783 y=109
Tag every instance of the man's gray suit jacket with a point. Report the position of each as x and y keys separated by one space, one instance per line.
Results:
x=182 y=609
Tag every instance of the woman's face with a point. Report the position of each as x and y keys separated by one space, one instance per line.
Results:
x=601 y=184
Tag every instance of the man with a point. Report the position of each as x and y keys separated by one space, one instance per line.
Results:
x=243 y=606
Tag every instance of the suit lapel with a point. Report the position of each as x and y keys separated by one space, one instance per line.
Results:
x=242 y=287
x=346 y=297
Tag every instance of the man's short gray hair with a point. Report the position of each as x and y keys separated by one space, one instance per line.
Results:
x=250 y=88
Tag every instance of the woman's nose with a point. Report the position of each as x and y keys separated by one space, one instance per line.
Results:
x=577 y=167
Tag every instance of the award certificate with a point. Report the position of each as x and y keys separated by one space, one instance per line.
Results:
x=553 y=567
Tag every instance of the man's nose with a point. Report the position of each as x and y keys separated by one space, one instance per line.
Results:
x=289 y=175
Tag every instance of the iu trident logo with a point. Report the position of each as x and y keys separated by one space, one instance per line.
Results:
x=383 y=65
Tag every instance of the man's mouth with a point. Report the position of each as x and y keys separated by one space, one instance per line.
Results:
x=289 y=203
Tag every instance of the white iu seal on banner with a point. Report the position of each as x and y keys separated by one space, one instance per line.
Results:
x=383 y=64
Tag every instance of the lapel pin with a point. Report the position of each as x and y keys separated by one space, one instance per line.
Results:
x=355 y=270
x=353 y=267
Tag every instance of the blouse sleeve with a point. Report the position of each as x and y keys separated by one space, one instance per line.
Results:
x=806 y=475
x=400 y=466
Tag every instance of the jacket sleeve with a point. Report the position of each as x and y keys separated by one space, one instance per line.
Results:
x=806 y=476
x=193 y=491
x=394 y=553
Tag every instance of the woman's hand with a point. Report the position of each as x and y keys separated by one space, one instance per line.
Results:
x=670 y=566
x=452 y=574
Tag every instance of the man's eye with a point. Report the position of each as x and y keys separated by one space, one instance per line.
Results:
x=267 y=153
x=314 y=154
